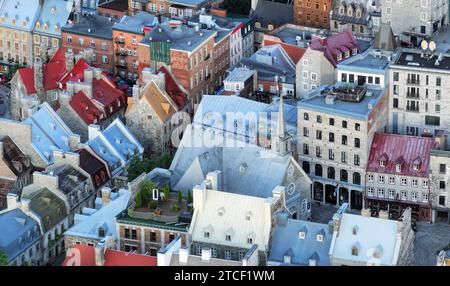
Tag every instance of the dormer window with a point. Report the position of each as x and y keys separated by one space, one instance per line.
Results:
x=382 y=163
x=101 y=232
x=319 y=237
x=350 y=11
x=355 y=230
x=416 y=166
x=249 y=240
x=398 y=167
x=228 y=237
x=302 y=235
x=358 y=13
x=206 y=234
x=355 y=51
x=220 y=212
x=339 y=57
x=248 y=216
x=341 y=10
x=347 y=54
x=355 y=251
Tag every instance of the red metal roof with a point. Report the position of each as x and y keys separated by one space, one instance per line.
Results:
x=85 y=108
x=52 y=72
x=294 y=52
x=76 y=74
x=334 y=45
x=173 y=89
x=112 y=258
x=407 y=150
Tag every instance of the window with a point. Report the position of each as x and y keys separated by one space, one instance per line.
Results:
x=228 y=254
x=344 y=176
x=442 y=168
x=396 y=76
x=153 y=236
x=391 y=194
x=330 y=154
x=357 y=143
x=105 y=59
x=441 y=184
x=425 y=184
x=228 y=237
x=381 y=179
x=318 y=134
x=354 y=251
x=356 y=178
x=206 y=234
x=398 y=168
x=344 y=139
x=343 y=157
x=370 y=192
x=319 y=119
x=414 y=182
x=357 y=126
x=331 y=174
x=331 y=121
x=381 y=193
x=414 y=196
x=392 y=180
x=404 y=195
x=249 y=240
x=319 y=237
x=305 y=132
x=305 y=149
x=331 y=137
x=404 y=181
x=370 y=178
x=425 y=197
x=318 y=152
x=305 y=116
x=442 y=200
x=344 y=124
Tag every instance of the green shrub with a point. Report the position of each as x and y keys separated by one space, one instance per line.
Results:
x=175 y=208
x=138 y=200
x=152 y=205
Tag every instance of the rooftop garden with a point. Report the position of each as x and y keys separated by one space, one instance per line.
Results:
x=145 y=164
x=160 y=204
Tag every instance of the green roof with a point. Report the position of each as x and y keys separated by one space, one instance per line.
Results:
x=51 y=209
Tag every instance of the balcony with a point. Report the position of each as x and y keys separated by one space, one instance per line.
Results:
x=119 y=41
x=413 y=95
x=413 y=82
x=121 y=53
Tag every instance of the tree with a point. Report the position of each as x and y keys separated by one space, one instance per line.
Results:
x=147 y=190
x=165 y=160
x=138 y=200
x=166 y=192
x=189 y=197
x=180 y=197
x=139 y=165
x=241 y=7
x=3 y=258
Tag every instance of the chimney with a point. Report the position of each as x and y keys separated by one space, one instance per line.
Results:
x=183 y=255
x=206 y=254
x=106 y=196
x=69 y=60
x=88 y=75
x=93 y=131
x=100 y=254
x=215 y=178
x=38 y=77
x=12 y=201
x=74 y=140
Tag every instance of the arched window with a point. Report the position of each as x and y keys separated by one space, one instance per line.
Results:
x=361 y=29
x=38 y=25
x=356 y=178
x=344 y=176
x=318 y=170
x=331 y=173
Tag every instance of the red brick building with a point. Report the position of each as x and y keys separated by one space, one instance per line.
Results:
x=127 y=34
x=114 y=9
x=313 y=13
x=94 y=32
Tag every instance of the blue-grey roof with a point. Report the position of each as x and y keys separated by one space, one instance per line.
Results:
x=286 y=241
x=135 y=24
x=93 y=26
x=54 y=13
x=23 y=11
x=88 y=223
x=254 y=112
x=182 y=38
x=18 y=233
x=116 y=145
x=250 y=170
x=370 y=61
x=289 y=35
x=273 y=12
x=49 y=132
x=271 y=61
x=315 y=100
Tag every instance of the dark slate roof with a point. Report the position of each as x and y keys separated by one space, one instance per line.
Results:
x=385 y=39
x=414 y=60
x=16 y=160
x=271 y=12
x=49 y=207
x=117 y=5
x=92 y=26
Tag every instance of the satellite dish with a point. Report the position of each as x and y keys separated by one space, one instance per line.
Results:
x=432 y=46
x=424 y=45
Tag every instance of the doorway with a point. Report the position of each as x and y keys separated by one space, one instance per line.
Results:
x=330 y=194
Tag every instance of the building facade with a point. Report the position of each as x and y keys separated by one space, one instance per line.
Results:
x=440 y=185
x=313 y=13
x=398 y=176
x=419 y=94
x=335 y=131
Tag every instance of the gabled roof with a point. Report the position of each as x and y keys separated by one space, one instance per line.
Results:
x=335 y=45
x=14 y=158
x=85 y=108
x=51 y=73
x=400 y=149
x=50 y=208
x=18 y=233
x=94 y=167
x=372 y=233
x=286 y=241
x=174 y=89
x=49 y=132
x=232 y=220
x=294 y=52
x=112 y=258
x=53 y=13
x=116 y=145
